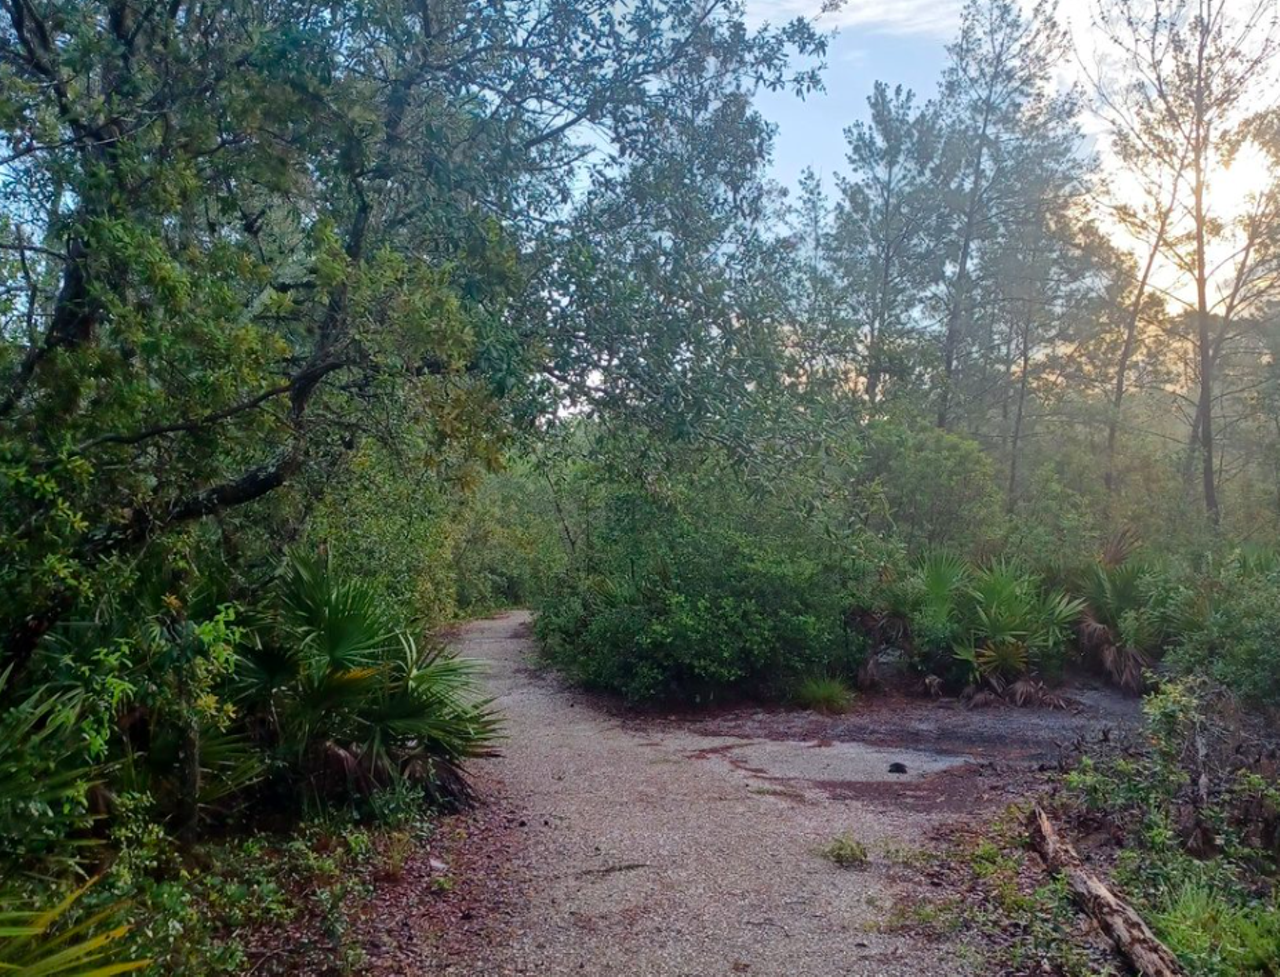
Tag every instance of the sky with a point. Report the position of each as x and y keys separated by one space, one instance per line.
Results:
x=897 y=41
x=904 y=42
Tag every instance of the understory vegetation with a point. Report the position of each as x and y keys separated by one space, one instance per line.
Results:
x=697 y=580
x=1197 y=810
x=1184 y=819
x=324 y=326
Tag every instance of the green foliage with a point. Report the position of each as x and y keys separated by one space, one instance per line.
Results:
x=935 y=592
x=711 y=612
x=266 y=281
x=694 y=590
x=401 y=805
x=508 y=546
x=1237 y=641
x=393 y=527
x=1053 y=526
x=347 y=701
x=822 y=693
x=62 y=942
x=1014 y=624
x=299 y=892
x=999 y=622
x=454 y=540
x=43 y=775
x=845 y=851
x=939 y=488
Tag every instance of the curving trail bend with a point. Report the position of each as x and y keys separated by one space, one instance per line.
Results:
x=649 y=850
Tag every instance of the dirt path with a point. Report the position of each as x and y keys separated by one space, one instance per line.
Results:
x=653 y=850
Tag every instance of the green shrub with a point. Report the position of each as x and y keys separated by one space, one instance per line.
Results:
x=1132 y=611
x=822 y=693
x=695 y=580
x=940 y=488
x=714 y=611
x=346 y=701
x=506 y=547
x=1237 y=642
x=1052 y=527
x=399 y=806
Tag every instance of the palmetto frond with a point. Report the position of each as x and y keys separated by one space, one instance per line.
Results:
x=42 y=943
x=1011 y=624
x=43 y=777
x=1001 y=662
x=942 y=576
x=336 y=622
x=1121 y=545
x=348 y=696
x=1120 y=627
x=433 y=701
x=1055 y=614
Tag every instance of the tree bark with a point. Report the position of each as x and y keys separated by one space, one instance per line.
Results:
x=1019 y=414
x=1126 y=353
x=1201 y=147
x=1117 y=918
x=951 y=340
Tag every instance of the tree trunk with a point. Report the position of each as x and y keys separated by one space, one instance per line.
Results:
x=188 y=815
x=880 y=320
x=951 y=340
x=1201 y=144
x=1126 y=354
x=1018 y=414
x=1117 y=918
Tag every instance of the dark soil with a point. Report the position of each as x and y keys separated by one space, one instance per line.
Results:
x=459 y=893
x=1029 y=736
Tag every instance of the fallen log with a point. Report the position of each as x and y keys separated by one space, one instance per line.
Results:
x=1117 y=918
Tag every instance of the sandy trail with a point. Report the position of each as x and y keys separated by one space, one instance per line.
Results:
x=653 y=850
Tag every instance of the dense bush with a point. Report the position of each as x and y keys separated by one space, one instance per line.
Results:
x=939 y=489
x=433 y=545
x=687 y=575
x=309 y=695
x=694 y=589
x=703 y=612
x=1236 y=639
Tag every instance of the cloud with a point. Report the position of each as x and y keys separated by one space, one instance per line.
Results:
x=937 y=18
x=921 y=17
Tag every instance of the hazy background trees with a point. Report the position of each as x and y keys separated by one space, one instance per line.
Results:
x=416 y=307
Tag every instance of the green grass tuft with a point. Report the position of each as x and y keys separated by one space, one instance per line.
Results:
x=825 y=694
x=845 y=851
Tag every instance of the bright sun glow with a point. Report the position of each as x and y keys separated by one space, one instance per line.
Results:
x=1234 y=190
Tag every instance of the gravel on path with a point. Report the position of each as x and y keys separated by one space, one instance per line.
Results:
x=661 y=852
